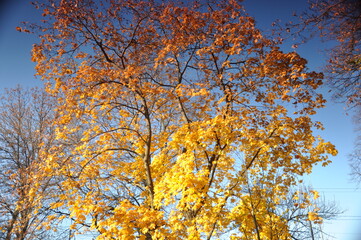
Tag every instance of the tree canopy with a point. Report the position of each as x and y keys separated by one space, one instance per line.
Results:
x=176 y=120
x=25 y=132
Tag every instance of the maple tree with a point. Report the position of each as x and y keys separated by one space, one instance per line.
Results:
x=155 y=98
x=25 y=130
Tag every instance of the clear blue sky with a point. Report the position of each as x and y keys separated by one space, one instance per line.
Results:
x=333 y=181
x=15 y=64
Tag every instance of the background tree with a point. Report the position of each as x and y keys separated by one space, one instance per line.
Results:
x=355 y=156
x=338 y=21
x=303 y=210
x=299 y=214
x=25 y=130
x=161 y=95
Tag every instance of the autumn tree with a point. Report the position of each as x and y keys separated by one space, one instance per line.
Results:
x=155 y=98
x=25 y=131
x=338 y=21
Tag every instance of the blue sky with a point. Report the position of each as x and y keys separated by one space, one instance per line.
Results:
x=15 y=64
x=333 y=181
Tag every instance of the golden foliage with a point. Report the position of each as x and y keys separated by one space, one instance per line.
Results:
x=155 y=101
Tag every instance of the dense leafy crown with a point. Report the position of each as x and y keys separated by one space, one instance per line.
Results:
x=176 y=120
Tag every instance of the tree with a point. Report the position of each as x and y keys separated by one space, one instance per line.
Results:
x=355 y=156
x=298 y=214
x=338 y=21
x=302 y=209
x=155 y=98
x=355 y=164
x=25 y=131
